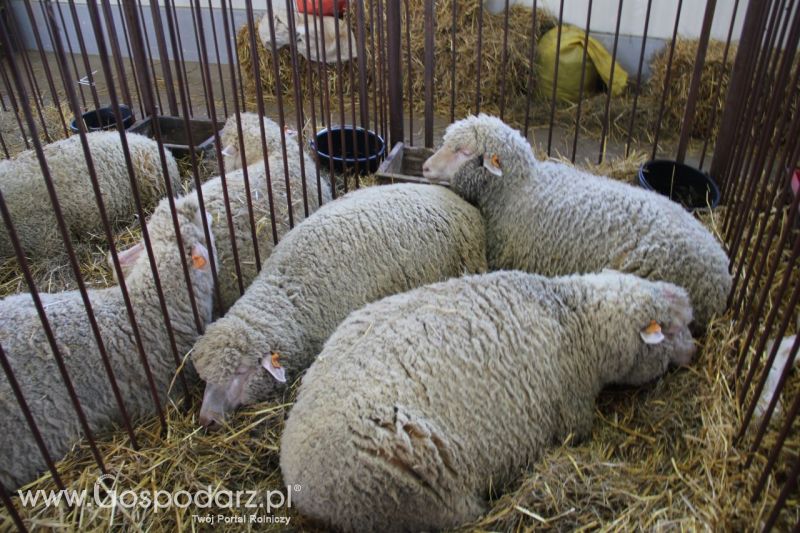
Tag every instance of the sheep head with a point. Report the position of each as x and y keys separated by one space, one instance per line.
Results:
x=476 y=152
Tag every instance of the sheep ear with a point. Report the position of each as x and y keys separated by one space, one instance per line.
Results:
x=127 y=257
x=652 y=333
x=230 y=151
x=272 y=364
x=199 y=257
x=492 y=164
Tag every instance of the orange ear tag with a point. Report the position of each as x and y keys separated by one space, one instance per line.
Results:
x=652 y=333
x=492 y=164
x=198 y=261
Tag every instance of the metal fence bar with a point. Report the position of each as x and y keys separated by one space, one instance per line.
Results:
x=148 y=99
x=325 y=95
x=694 y=87
x=788 y=488
x=583 y=79
x=69 y=46
x=166 y=71
x=22 y=260
x=48 y=74
x=340 y=92
x=453 y=60
x=8 y=504
x=217 y=56
x=179 y=57
x=554 y=93
x=296 y=81
x=667 y=80
x=310 y=83
x=149 y=51
x=430 y=64
x=124 y=25
x=606 y=113
x=531 y=69
x=393 y=27
x=409 y=76
x=718 y=87
x=636 y=94
x=260 y=106
x=26 y=413
x=504 y=62
x=478 y=54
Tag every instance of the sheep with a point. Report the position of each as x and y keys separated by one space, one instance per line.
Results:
x=253 y=147
x=552 y=219
x=371 y=243
x=422 y=403
x=24 y=343
x=214 y=201
x=24 y=189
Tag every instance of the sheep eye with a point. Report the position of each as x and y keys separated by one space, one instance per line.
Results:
x=467 y=152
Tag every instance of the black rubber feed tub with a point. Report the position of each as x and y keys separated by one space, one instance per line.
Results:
x=363 y=153
x=103 y=119
x=680 y=183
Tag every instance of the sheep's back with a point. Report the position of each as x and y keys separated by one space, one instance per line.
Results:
x=565 y=221
x=421 y=402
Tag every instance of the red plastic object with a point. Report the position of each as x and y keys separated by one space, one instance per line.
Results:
x=796 y=181
x=329 y=7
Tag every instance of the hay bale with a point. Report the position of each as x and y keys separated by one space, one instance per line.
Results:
x=713 y=86
x=515 y=72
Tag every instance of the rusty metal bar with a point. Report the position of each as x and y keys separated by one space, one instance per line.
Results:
x=531 y=69
x=694 y=88
x=478 y=53
x=718 y=89
x=12 y=97
x=632 y=122
x=606 y=113
x=453 y=60
x=667 y=80
x=231 y=42
x=9 y=505
x=583 y=78
x=124 y=25
x=409 y=76
x=430 y=60
x=23 y=262
x=737 y=89
x=117 y=54
x=260 y=106
x=393 y=26
x=788 y=488
x=84 y=54
x=180 y=57
x=348 y=15
x=555 y=80
x=298 y=98
x=382 y=96
x=310 y=84
x=109 y=234
x=196 y=33
x=785 y=371
x=69 y=46
x=340 y=92
x=48 y=74
x=245 y=172
x=325 y=96
x=744 y=157
x=146 y=44
x=26 y=413
x=150 y=110
x=504 y=62
x=166 y=71
x=216 y=55
x=281 y=117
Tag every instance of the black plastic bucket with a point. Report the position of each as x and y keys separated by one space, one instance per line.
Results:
x=103 y=119
x=365 y=153
x=680 y=183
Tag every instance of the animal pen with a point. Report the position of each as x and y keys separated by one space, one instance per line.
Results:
x=702 y=448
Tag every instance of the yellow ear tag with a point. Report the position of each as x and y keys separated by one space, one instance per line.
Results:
x=492 y=164
x=652 y=333
x=198 y=261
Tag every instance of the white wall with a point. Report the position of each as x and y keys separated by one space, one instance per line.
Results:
x=662 y=16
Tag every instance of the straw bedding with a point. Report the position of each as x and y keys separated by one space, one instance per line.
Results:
x=660 y=456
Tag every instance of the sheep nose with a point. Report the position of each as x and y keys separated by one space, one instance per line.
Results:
x=210 y=421
x=426 y=169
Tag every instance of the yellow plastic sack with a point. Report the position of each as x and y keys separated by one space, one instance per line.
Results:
x=598 y=64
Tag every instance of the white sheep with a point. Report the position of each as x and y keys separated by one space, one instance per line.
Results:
x=24 y=189
x=423 y=403
x=23 y=340
x=553 y=219
x=214 y=202
x=371 y=243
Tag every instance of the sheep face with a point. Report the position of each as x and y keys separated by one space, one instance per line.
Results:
x=136 y=264
x=251 y=139
x=234 y=376
x=474 y=154
x=664 y=337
